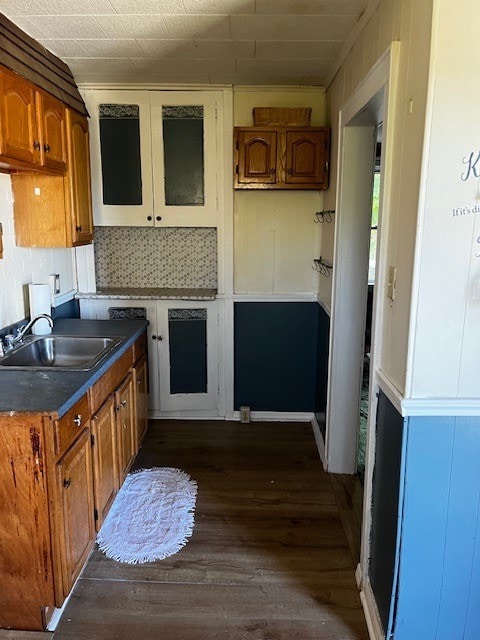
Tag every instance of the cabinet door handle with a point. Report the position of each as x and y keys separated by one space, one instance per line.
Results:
x=290 y=171
x=272 y=171
x=67 y=483
x=78 y=227
x=36 y=145
x=123 y=403
x=46 y=148
x=139 y=381
x=157 y=338
x=77 y=420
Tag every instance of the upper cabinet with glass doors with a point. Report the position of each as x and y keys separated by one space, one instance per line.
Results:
x=154 y=157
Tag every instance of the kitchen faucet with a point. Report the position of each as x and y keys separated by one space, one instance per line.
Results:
x=11 y=340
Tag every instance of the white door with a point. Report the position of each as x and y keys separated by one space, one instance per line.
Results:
x=188 y=355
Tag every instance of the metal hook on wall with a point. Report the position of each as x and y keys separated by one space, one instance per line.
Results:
x=324 y=216
x=323 y=268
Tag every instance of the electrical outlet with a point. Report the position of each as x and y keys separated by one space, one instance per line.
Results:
x=392 y=283
x=245 y=415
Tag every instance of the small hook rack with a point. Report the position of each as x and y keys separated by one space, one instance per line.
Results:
x=323 y=268
x=324 y=216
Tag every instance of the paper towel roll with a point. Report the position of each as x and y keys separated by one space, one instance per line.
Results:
x=39 y=295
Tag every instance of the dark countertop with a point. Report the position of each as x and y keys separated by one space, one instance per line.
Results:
x=55 y=392
x=121 y=293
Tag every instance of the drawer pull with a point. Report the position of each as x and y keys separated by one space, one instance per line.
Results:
x=36 y=145
x=77 y=420
x=67 y=483
x=46 y=148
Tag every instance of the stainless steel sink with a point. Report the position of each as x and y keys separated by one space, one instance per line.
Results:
x=78 y=353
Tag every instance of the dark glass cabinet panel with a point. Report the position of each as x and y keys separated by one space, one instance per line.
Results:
x=120 y=153
x=187 y=329
x=183 y=139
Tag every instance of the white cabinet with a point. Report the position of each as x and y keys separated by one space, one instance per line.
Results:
x=183 y=353
x=155 y=157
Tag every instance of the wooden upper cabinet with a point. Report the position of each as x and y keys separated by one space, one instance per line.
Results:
x=51 y=115
x=257 y=156
x=281 y=157
x=18 y=131
x=78 y=177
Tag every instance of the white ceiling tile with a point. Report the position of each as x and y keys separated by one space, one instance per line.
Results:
x=312 y=7
x=100 y=65
x=313 y=80
x=14 y=8
x=34 y=30
x=219 y=6
x=282 y=67
x=271 y=49
x=195 y=27
x=148 y=7
x=136 y=77
x=110 y=49
x=224 y=49
x=61 y=27
x=71 y=7
x=271 y=27
x=183 y=66
x=166 y=48
x=136 y=26
x=65 y=48
x=260 y=79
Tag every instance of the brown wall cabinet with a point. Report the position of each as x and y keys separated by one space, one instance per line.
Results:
x=58 y=481
x=281 y=157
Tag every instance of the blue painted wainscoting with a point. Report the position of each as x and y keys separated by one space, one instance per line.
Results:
x=439 y=573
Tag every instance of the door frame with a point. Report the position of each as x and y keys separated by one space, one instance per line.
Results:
x=342 y=414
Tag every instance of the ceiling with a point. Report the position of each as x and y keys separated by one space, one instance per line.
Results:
x=247 y=42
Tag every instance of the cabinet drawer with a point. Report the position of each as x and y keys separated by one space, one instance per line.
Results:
x=70 y=425
x=110 y=380
x=139 y=347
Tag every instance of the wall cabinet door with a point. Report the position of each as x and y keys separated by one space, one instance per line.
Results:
x=19 y=135
x=78 y=178
x=188 y=355
x=141 y=398
x=105 y=459
x=305 y=157
x=257 y=157
x=126 y=426
x=51 y=115
x=77 y=527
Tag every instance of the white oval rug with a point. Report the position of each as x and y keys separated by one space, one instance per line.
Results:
x=151 y=518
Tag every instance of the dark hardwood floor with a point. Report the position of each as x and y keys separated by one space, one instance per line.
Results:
x=268 y=558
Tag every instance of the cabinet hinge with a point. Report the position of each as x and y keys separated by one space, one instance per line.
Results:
x=92 y=439
x=95 y=514
x=116 y=408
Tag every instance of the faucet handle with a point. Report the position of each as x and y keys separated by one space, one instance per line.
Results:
x=9 y=341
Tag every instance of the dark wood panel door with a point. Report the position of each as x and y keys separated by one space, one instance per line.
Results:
x=126 y=426
x=52 y=118
x=79 y=178
x=105 y=460
x=257 y=157
x=77 y=529
x=305 y=157
x=19 y=136
x=141 y=398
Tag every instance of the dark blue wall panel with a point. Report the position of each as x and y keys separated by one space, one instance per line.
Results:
x=276 y=355
x=70 y=309
x=322 y=367
x=385 y=504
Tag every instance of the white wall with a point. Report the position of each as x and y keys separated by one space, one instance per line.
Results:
x=21 y=266
x=410 y=22
x=275 y=237
x=446 y=347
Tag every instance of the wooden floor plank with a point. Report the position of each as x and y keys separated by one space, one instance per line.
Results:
x=268 y=558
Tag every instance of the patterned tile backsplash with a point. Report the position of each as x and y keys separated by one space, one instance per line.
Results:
x=184 y=258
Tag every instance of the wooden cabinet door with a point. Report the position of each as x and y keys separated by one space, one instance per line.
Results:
x=52 y=119
x=75 y=488
x=78 y=177
x=257 y=157
x=305 y=157
x=19 y=137
x=126 y=426
x=105 y=460
x=141 y=398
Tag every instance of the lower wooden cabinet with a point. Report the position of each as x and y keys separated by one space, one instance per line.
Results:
x=58 y=478
x=105 y=459
x=77 y=525
x=126 y=426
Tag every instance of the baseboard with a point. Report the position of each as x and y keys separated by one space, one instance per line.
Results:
x=372 y=617
x=319 y=440
x=9 y=634
x=276 y=416
x=184 y=415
